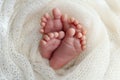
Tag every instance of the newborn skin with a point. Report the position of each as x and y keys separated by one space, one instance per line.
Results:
x=50 y=42
x=71 y=46
x=63 y=39
x=52 y=34
x=51 y=25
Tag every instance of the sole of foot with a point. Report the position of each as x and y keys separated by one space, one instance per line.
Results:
x=50 y=42
x=49 y=24
x=72 y=45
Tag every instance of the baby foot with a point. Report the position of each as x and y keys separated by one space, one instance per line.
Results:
x=50 y=42
x=71 y=46
x=51 y=25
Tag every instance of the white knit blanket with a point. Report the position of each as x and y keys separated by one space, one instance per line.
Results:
x=19 y=40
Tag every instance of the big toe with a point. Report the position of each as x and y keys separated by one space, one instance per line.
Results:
x=70 y=32
x=56 y=13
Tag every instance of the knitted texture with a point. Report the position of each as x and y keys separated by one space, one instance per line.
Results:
x=20 y=58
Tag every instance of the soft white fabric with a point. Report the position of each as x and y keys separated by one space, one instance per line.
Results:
x=19 y=40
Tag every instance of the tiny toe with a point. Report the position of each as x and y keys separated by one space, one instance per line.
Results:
x=41 y=31
x=79 y=26
x=56 y=34
x=83 y=38
x=43 y=19
x=42 y=42
x=61 y=35
x=42 y=24
x=72 y=20
x=76 y=22
x=46 y=37
x=79 y=35
x=56 y=13
x=84 y=31
x=51 y=35
x=83 y=42
x=47 y=16
x=70 y=32
x=83 y=48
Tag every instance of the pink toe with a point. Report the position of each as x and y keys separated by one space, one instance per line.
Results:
x=51 y=35
x=41 y=31
x=44 y=19
x=47 y=16
x=61 y=35
x=70 y=32
x=79 y=26
x=42 y=42
x=42 y=24
x=56 y=34
x=83 y=47
x=84 y=31
x=56 y=13
x=46 y=38
x=79 y=35
x=76 y=22
x=83 y=42
x=83 y=38
x=72 y=20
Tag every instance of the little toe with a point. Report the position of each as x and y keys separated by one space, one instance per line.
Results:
x=83 y=42
x=43 y=42
x=56 y=13
x=64 y=18
x=83 y=47
x=42 y=31
x=61 y=35
x=46 y=37
x=84 y=31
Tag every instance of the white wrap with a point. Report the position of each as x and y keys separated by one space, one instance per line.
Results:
x=19 y=40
